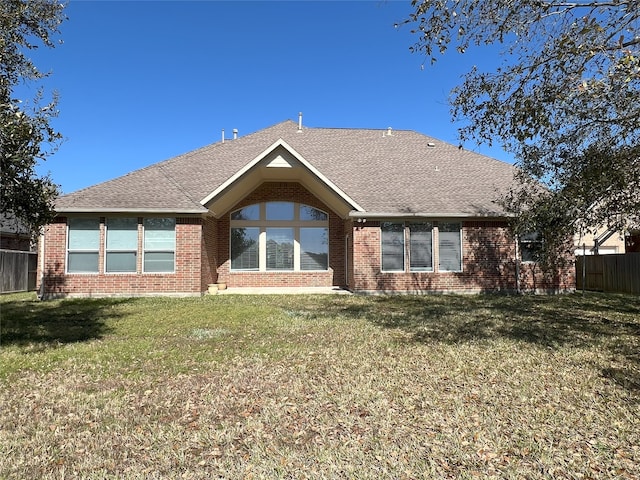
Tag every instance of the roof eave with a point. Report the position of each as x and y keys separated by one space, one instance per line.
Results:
x=201 y=211
x=381 y=215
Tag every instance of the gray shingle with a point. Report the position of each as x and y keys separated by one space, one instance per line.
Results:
x=405 y=172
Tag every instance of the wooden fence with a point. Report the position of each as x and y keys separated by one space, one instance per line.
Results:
x=609 y=273
x=18 y=271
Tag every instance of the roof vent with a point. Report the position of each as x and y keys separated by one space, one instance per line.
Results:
x=235 y=133
x=299 y=122
x=389 y=131
x=223 y=135
x=431 y=144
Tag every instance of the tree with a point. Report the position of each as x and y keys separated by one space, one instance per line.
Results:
x=565 y=101
x=26 y=136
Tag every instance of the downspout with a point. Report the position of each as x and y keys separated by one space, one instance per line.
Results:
x=517 y=266
x=41 y=261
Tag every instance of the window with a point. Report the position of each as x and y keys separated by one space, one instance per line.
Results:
x=121 y=245
x=392 y=246
x=279 y=236
x=159 y=245
x=421 y=247
x=244 y=248
x=314 y=248
x=279 y=248
x=419 y=251
x=83 y=245
x=530 y=245
x=449 y=247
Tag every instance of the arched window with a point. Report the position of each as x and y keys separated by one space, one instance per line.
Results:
x=279 y=236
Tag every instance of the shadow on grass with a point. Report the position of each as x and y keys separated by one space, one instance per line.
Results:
x=606 y=321
x=48 y=324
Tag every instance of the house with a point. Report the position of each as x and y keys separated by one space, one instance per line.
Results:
x=368 y=210
x=13 y=234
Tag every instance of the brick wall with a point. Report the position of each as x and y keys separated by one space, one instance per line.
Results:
x=285 y=192
x=489 y=265
x=185 y=281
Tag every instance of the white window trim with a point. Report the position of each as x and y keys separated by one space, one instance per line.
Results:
x=461 y=249
x=262 y=224
x=404 y=249
x=407 y=248
x=77 y=250
x=433 y=268
x=520 y=250
x=107 y=250
x=175 y=247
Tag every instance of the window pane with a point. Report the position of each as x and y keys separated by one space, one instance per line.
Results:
x=392 y=246
x=83 y=262
x=121 y=262
x=279 y=211
x=122 y=234
x=158 y=262
x=252 y=212
x=420 y=246
x=84 y=234
x=244 y=248
x=159 y=233
x=449 y=247
x=310 y=213
x=279 y=248
x=314 y=248
x=530 y=245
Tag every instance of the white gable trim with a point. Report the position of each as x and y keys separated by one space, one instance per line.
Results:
x=300 y=158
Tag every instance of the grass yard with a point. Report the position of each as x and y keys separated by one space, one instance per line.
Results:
x=316 y=387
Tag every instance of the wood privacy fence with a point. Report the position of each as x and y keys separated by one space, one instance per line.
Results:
x=609 y=273
x=18 y=271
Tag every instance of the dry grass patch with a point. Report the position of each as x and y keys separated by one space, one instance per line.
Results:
x=321 y=387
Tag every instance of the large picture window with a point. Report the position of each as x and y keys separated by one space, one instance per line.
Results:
x=279 y=236
x=159 y=245
x=121 y=245
x=83 y=246
x=449 y=247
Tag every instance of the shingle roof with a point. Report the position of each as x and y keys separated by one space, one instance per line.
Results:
x=401 y=173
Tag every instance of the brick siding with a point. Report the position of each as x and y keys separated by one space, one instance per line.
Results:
x=489 y=265
x=185 y=281
x=285 y=192
x=202 y=258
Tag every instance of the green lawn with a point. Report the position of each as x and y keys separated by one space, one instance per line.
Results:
x=321 y=387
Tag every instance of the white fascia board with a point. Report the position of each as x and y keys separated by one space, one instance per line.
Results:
x=281 y=143
x=425 y=215
x=189 y=211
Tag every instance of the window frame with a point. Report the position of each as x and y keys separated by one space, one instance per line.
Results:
x=529 y=239
x=406 y=247
x=146 y=251
x=410 y=249
x=461 y=246
x=262 y=224
x=70 y=251
x=108 y=250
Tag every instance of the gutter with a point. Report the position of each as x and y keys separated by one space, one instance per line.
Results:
x=199 y=211
x=382 y=215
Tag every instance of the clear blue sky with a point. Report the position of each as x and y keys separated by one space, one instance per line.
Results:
x=140 y=82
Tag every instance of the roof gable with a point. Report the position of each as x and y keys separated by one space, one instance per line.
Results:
x=280 y=162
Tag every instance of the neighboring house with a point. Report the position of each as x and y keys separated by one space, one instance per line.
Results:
x=13 y=235
x=368 y=210
x=601 y=242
